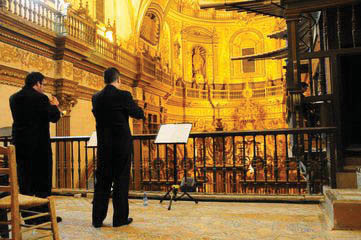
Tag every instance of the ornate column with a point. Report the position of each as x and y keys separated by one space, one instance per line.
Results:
x=66 y=103
x=66 y=94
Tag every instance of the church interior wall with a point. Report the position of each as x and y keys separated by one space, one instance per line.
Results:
x=82 y=121
x=6 y=91
x=178 y=39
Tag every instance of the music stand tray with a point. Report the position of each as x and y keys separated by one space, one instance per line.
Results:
x=176 y=133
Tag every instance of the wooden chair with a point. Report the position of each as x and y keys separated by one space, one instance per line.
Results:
x=16 y=203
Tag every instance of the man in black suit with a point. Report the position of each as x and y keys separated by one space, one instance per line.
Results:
x=32 y=111
x=112 y=108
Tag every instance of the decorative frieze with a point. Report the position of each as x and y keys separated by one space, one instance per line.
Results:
x=20 y=59
x=88 y=79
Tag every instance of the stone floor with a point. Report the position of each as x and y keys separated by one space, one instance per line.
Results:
x=203 y=221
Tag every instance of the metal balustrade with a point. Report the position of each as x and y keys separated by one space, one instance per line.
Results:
x=269 y=162
x=285 y=161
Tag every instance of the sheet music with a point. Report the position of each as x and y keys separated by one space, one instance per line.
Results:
x=173 y=133
x=93 y=141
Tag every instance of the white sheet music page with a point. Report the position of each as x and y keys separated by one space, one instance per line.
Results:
x=173 y=133
x=93 y=141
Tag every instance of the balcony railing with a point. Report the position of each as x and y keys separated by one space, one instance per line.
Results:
x=76 y=26
x=34 y=12
x=272 y=162
x=79 y=28
x=230 y=94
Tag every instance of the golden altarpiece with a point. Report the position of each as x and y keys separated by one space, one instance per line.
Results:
x=174 y=57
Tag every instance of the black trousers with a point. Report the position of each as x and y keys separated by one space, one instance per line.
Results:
x=102 y=194
x=34 y=181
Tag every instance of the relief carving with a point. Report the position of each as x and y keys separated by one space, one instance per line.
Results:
x=87 y=79
x=24 y=60
x=150 y=30
x=66 y=103
x=64 y=70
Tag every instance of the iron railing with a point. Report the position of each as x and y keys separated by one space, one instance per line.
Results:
x=269 y=162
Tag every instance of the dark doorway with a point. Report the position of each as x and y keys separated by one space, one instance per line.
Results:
x=351 y=101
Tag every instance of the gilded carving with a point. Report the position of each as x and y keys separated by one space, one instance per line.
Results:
x=152 y=99
x=64 y=70
x=68 y=70
x=66 y=103
x=150 y=30
x=164 y=44
x=8 y=54
x=21 y=59
x=192 y=4
x=87 y=79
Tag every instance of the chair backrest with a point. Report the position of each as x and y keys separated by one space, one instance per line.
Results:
x=8 y=167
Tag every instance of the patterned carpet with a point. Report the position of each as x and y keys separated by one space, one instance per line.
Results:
x=203 y=221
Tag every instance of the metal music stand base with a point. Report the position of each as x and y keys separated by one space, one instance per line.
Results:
x=173 y=195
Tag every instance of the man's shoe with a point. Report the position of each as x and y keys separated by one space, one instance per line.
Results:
x=97 y=225
x=127 y=222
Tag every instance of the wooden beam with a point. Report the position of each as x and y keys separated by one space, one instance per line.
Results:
x=329 y=53
x=216 y=4
x=315 y=5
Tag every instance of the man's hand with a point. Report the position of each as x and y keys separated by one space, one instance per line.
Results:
x=54 y=101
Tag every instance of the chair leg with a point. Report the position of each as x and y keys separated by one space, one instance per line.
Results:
x=15 y=223
x=54 y=223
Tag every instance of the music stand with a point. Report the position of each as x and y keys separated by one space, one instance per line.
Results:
x=175 y=134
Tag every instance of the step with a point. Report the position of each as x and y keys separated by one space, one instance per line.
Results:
x=351 y=168
x=342 y=209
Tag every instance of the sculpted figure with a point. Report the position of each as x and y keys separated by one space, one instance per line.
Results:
x=198 y=62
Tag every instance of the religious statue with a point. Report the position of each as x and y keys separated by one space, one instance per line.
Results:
x=150 y=30
x=177 y=48
x=198 y=63
x=62 y=7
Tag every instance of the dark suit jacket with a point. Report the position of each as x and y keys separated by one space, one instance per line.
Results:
x=112 y=108
x=32 y=113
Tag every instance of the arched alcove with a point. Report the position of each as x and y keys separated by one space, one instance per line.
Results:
x=242 y=43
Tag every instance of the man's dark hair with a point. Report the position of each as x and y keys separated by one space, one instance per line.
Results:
x=32 y=78
x=111 y=75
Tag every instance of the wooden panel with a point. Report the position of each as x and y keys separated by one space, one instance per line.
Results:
x=4 y=188
x=4 y=170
